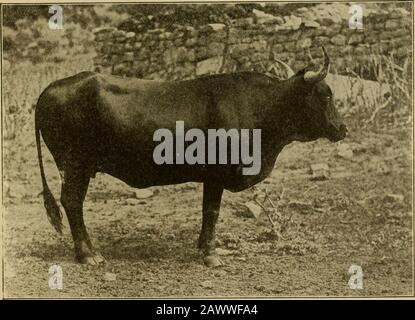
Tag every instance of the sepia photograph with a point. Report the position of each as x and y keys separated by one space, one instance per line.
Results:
x=207 y=150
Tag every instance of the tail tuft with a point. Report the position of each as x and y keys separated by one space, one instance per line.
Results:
x=53 y=212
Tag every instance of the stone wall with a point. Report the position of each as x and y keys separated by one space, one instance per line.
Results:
x=250 y=43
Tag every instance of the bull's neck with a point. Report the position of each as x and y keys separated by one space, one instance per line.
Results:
x=280 y=115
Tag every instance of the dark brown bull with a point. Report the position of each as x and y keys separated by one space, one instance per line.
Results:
x=101 y=123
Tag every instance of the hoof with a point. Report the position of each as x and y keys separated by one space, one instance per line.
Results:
x=93 y=260
x=212 y=261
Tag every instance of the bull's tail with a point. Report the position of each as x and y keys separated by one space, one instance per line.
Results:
x=52 y=209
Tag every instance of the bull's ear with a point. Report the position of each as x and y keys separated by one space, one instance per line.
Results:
x=317 y=76
x=290 y=72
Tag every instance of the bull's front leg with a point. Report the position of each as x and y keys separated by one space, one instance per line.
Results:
x=212 y=195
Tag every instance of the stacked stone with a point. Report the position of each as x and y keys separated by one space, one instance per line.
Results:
x=250 y=43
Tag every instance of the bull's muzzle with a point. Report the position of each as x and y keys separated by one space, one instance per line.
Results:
x=338 y=133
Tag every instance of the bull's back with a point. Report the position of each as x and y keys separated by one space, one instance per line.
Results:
x=137 y=107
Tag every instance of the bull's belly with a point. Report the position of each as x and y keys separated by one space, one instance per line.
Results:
x=141 y=172
x=138 y=177
x=143 y=175
x=138 y=169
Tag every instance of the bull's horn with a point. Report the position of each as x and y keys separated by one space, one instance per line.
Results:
x=313 y=77
x=290 y=71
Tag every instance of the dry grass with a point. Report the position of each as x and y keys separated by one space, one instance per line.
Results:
x=22 y=85
x=383 y=103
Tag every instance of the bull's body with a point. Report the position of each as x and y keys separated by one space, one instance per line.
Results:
x=108 y=122
x=99 y=123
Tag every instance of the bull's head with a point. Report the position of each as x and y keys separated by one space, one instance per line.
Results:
x=315 y=113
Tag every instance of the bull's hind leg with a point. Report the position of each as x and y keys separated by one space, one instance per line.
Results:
x=74 y=187
x=212 y=195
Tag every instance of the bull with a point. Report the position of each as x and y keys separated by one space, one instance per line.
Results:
x=93 y=123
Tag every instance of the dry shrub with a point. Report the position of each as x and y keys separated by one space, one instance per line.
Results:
x=383 y=102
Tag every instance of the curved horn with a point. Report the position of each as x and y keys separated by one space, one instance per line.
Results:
x=312 y=76
x=290 y=71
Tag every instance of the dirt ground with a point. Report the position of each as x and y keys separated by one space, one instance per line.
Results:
x=361 y=215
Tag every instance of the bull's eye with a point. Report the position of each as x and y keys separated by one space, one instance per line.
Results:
x=329 y=98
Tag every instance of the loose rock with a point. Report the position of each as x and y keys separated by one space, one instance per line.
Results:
x=394 y=197
x=207 y=284
x=108 y=276
x=320 y=171
x=143 y=193
x=253 y=210
x=345 y=151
